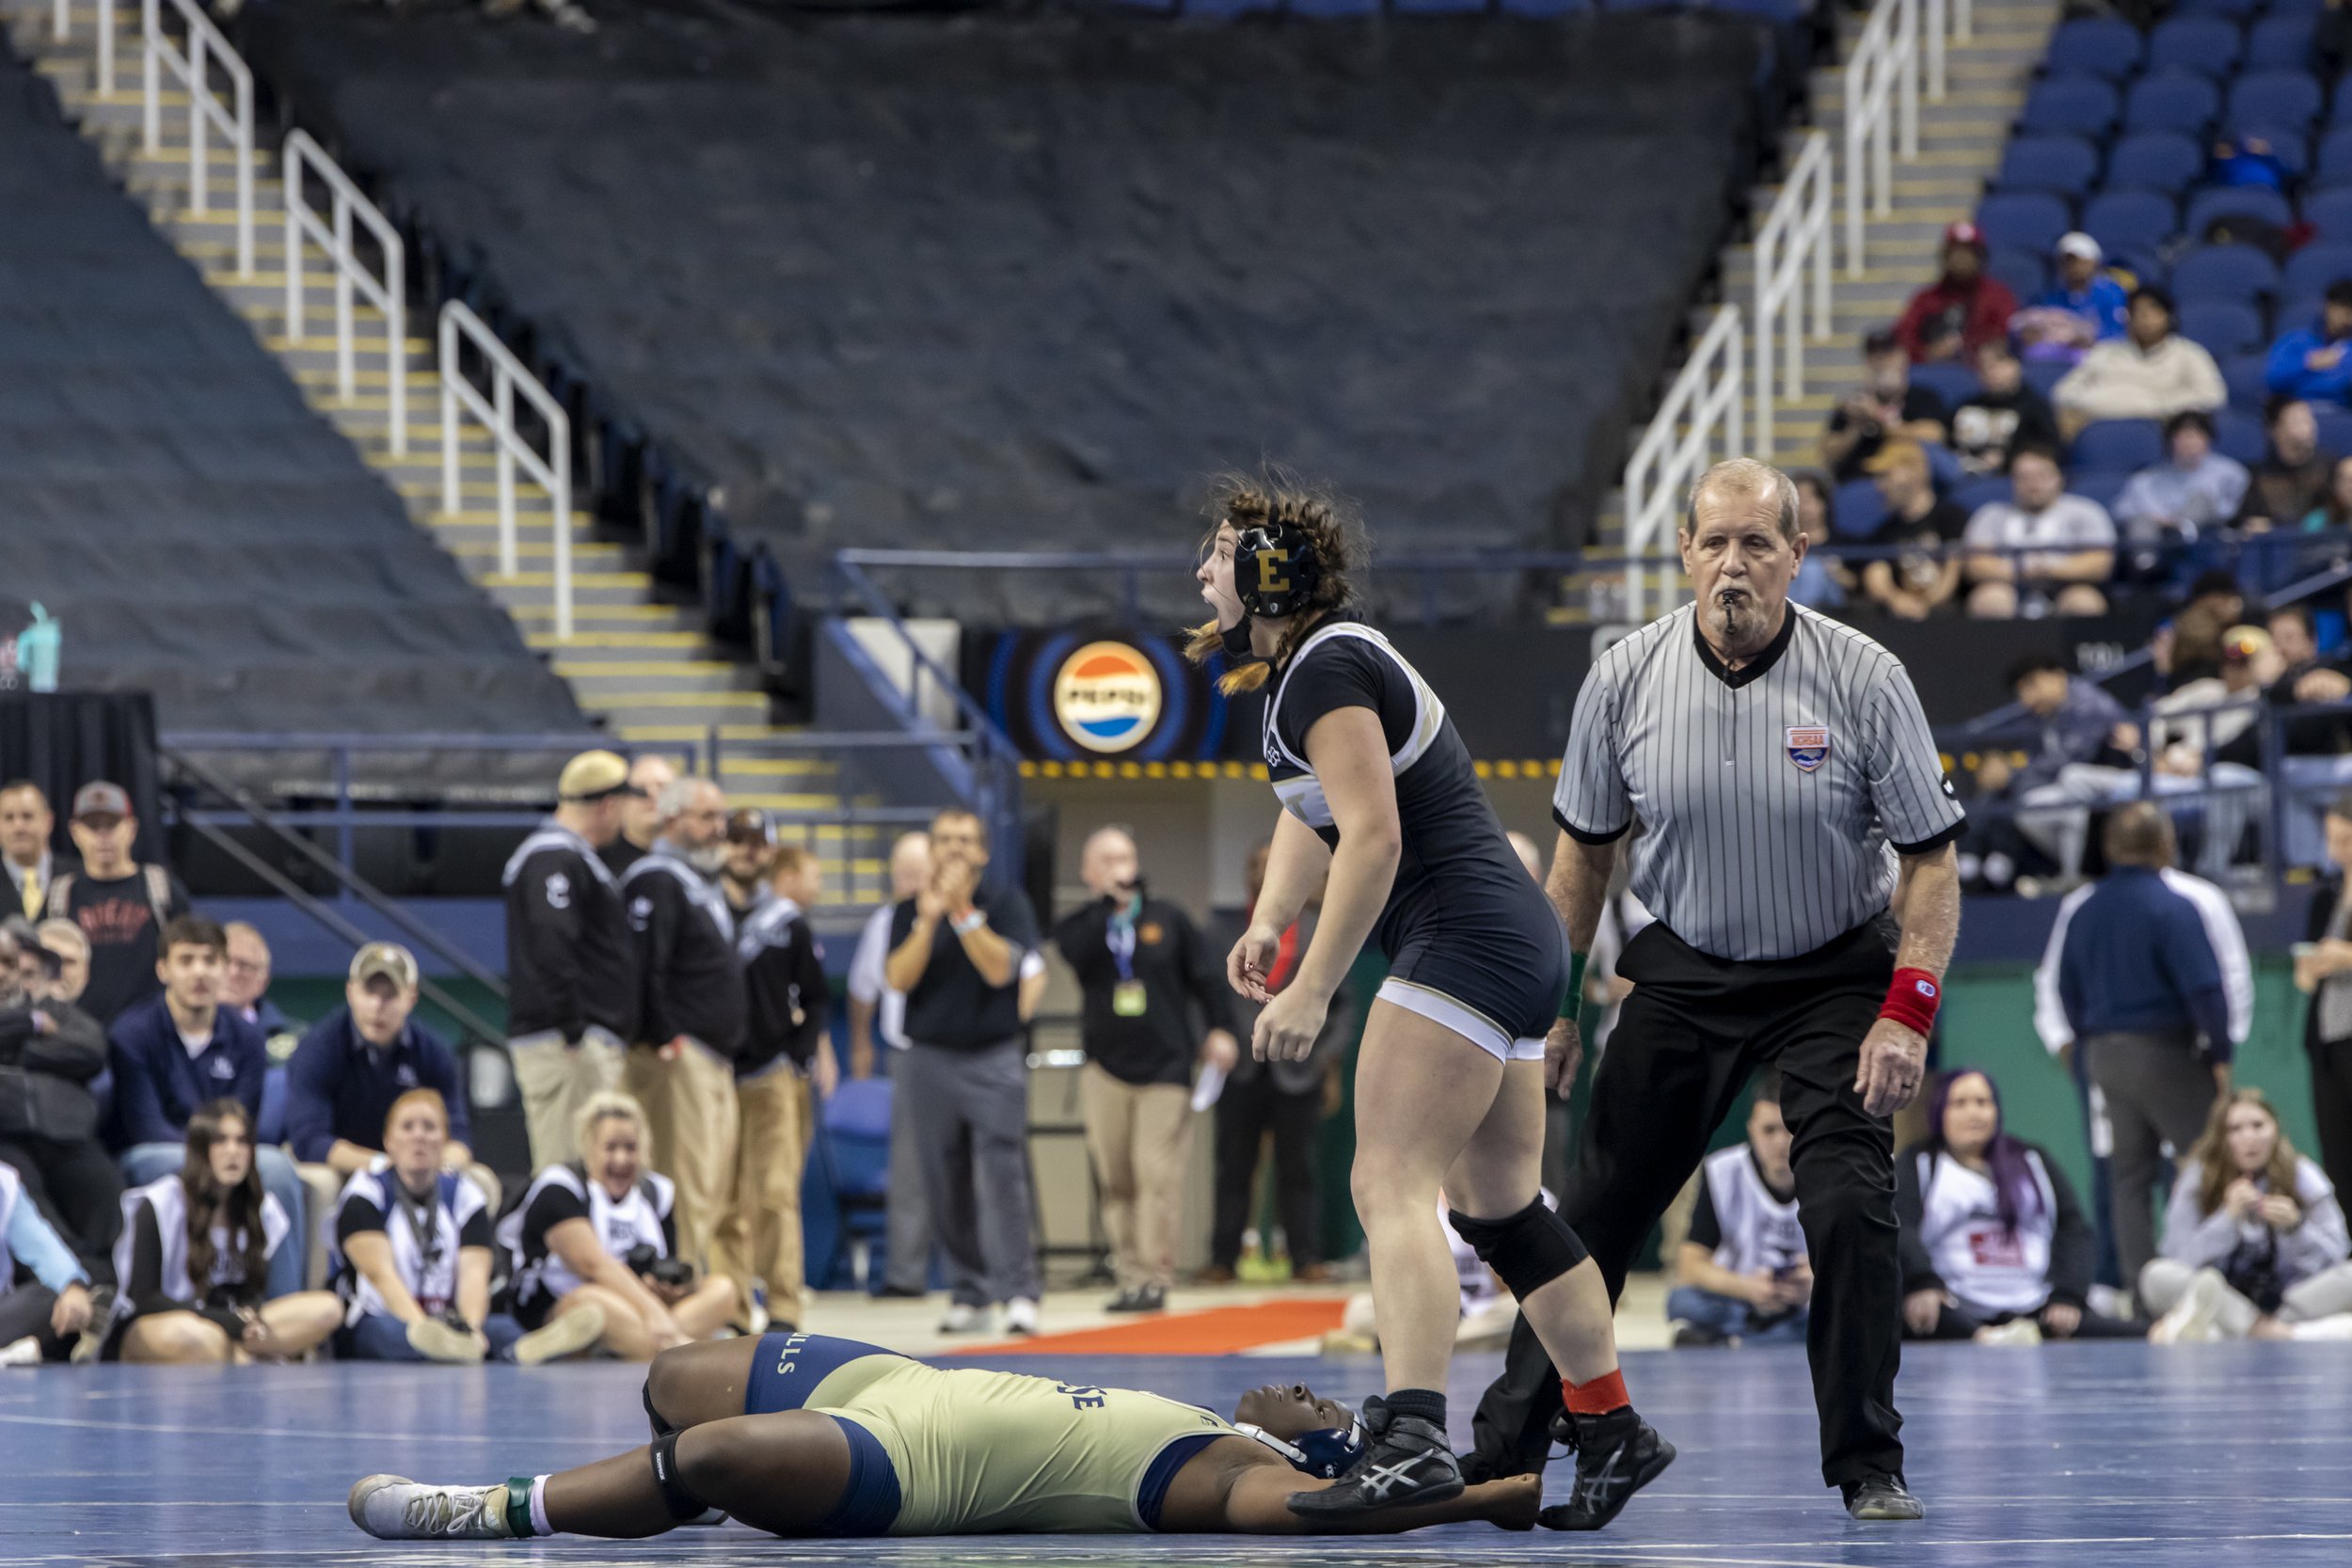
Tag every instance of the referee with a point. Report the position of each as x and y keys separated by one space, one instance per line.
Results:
x=1795 y=841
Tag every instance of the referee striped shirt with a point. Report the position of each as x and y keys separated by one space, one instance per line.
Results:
x=1772 y=798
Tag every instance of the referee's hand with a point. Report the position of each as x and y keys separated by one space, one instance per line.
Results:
x=1564 y=1053
x=1894 y=1065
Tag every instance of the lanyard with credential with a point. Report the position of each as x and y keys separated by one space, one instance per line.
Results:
x=1128 y=996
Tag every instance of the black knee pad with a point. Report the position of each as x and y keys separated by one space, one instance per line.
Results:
x=1528 y=1251
x=663 y=1426
x=682 y=1502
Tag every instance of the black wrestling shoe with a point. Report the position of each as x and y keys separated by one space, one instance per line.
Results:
x=1406 y=1460
x=1881 y=1498
x=1616 y=1455
x=1143 y=1298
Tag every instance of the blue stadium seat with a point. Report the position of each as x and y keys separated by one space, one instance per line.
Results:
x=2281 y=43
x=2246 y=375
x=1334 y=9
x=2239 y=10
x=2274 y=98
x=2042 y=375
x=1546 y=8
x=1787 y=12
x=2171 y=100
x=2290 y=144
x=1949 y=379
x=2239 y=434
x=1854 y=511
x=2137 y=221
x=2208 y=45
x=1976 y=493
x=2125 y=444
x=2098 y=484
x=2224 y=326
x=2063 y=164
x=2295 y=7
x=2154 y=161
x=2330 y=212
x=1439 y=8
x=2026 y=220
x=2335 y=429
x=2333 y=165
x=2224 y=272
x=1222 y=9
x=2095 y=46
x=2070 y=105
x=2309 y=270
x=2026 y=273
x=2235 y=201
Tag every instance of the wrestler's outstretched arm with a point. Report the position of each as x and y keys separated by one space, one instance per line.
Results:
x=1227 y=1489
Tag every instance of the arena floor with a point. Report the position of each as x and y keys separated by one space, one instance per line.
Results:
x=2080 y=1456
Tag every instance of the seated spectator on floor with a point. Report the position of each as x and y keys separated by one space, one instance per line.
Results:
x=210 y=1220
x=2151 y=372
x=1960 y=310
x=50 y=1050
x=413 y=1237
x=2073 y=539
x=2309 y=362
x=1820 y=582
x=2293 y=476
x=2195 y=491
x=174 y=1053
x=2000 y=414
x=1742 y=1273
x=598 y=1232
x=1886 y=406
x=2254 y=1242
x=244 y=987
x=2084 y=306
x=1914 y=584
x=1994 y=1247
x=40 y=1320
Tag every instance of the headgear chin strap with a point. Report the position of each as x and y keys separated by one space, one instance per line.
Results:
x=1327 y=1453
x=1274 y=569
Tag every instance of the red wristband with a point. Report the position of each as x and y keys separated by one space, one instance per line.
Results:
x=1911 y=999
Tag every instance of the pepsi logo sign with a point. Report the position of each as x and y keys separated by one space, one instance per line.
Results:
x=1106 y=696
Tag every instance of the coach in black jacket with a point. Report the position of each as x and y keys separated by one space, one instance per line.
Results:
x=571 y=967
x=690 y=1031
x=49 y=1051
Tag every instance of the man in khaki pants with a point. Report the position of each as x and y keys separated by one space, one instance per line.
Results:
x=1141 y=966
x=571 y=969
x=693 y=1008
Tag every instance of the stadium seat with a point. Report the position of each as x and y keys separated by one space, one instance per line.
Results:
x=2292 y=310
x=2125 y=444
x=2156 y=161
x=2281 y=43
x=1949 y=379
x=2246 y=375
x=1540 y=9
x=2224 y=326
x=1854 y=511
x=1221 y=9
x=2070 y=105
x=1785 y=13
x=1334 y=9
x=2133 y=221
x=2095 y=46
x=2335 y=428
x=1975 y=494
x=1439 y=8
x=2238 y=10
x=2295 y=7
x=2065 y=166
x=2236 y=202
x=2207 y=45
x=2026 y=273
x=2239 y=434
x=2333 y=165
x=2274 y=98
x=2042 y=375
x=2330 y=212
x=2171 y=100
x=2026 y=220
x=2309 y=270
x=2098 y=484
x=2224 y=272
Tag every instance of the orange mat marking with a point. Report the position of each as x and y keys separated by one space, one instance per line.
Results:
x=1220 y=1331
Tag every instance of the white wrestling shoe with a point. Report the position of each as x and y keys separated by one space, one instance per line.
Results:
x=568 y=1335
x=394 y=1508
x=438 y=1341
x=1021 y=1316
x=964 y=1317
x=23 y=1353
x=2197 y=1319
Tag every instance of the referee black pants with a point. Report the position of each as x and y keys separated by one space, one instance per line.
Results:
x=1686 y=1041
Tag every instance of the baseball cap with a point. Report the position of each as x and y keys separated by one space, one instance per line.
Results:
x=2240 y=644
x=751 y=825
x=100 y=798
x=387 y=959
x=2080 y=245
x=1964 y=232
x=593 y=776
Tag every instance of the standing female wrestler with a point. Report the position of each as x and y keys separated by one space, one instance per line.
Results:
x=1377 y=788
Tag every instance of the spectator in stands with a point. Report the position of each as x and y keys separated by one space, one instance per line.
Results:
x=119 y=903
x=2323 y=972
x=1993 y=1244
x=419 y=1286
x=2194 y=492
x=2001 y=413
x=1820 y=582
x=2158 y=995
x=1143 y=971
x=2084 y=306
x=957 y=948
x=1913 y=584
x=1960 y=309
x=601 y=1232
x=175 y=1052
x=245 y=989
x=641 y=816
x=40 y=1320
x=2188 y=647
x=876 y=1010
x=26 y=826
x=1742 y=1276
x=571 y=964
x=2310 y=362
x=212 y=1221
x=751 y=852
x=1886 y=406
x=2211 y=713
x=2073 y=539
x=690 y=1031
x=788 y=1051
x=50 y=1050
x=63 y=940
x=2151 y=372
x=2247 y=160
x=2293 y=476
x=2078 y=720
x=2254 y=1242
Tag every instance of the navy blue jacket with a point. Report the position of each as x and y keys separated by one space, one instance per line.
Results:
x=158 y=1085
x=2138 y=961
x=339 y=1086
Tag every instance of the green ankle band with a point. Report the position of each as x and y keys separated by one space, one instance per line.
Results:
x=519 y=1508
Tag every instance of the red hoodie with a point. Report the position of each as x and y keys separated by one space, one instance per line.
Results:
x=1984 y=306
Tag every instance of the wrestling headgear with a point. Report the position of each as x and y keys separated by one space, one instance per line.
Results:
x=1328 y=1452
x=1274 y=569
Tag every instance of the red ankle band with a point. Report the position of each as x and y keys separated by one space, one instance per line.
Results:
x=1596 y=1398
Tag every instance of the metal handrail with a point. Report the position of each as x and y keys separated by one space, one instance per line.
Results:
x=553 y=473
x=389 y=294
x=1793 y=243
x=1882 y=96
x=205 y=47
x=1701 y=411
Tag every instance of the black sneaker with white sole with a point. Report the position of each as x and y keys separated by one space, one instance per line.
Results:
x=1882 y=1498
x=1406 y=1460
x=1616 y=1455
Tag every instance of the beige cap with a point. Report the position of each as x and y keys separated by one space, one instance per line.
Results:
x=387 y=959
x=593 y=775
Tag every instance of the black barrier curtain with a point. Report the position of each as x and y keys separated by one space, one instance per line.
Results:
x=63 y=740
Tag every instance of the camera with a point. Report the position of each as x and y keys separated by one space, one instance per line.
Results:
x=647 y=1263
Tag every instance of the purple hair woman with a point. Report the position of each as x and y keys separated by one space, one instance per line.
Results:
x=1993 y=1244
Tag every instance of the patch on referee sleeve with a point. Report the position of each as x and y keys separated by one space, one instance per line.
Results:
x=1808 y=745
